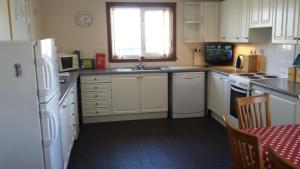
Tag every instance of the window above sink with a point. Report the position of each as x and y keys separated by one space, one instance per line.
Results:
x=150 y=32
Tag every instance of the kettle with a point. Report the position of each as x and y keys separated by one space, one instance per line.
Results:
x=239 y=62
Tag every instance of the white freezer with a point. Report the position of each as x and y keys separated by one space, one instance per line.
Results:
x=29 y=101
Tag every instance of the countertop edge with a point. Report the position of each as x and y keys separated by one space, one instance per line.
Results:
x=275 y=89
x=73 y=79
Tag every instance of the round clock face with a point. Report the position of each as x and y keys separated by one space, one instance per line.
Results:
x=84 y=19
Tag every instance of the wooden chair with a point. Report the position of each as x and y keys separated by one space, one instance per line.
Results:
x=250 y=111
x=245 y=149
x=278 y=162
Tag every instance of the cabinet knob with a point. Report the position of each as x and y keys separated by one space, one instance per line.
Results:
x=95 y=87
x=64 y=106
x=237 y=38
x=97 y=112
x=95 y=78
x=96 y=104
x=223 y=38
x=246 y=38
x=73 y=114
x=73 y=103
x=96 y=95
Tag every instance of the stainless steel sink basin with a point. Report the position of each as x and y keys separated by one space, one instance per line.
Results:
x=147 y=68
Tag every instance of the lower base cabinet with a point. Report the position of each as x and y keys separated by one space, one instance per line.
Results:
x=69 y=123
x=283 y=109
x=219 y=95
x=139 y=93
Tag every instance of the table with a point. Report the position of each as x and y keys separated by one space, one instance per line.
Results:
x=285 y=139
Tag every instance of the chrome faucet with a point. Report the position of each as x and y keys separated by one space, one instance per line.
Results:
x=140 y=65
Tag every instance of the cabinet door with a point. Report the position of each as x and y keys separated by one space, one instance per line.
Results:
x=65 y=131
x=212 y=10
x=4 y=21
x=279 y=21
x=291 y=21
x=216 y=93
x=126 y=94
x=222 y=28
x=266 y=12
x=297 y=21
x=282 y=110
x=255 y=12
x=244 y=21
x=226 y=96
x=154 y=93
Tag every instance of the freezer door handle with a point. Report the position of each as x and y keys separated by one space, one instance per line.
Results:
x=53 y=128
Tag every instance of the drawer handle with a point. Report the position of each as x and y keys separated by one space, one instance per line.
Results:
x=96 y=104
x=95 y=87
x=95 y=78
x=97 y=112
x=96 y=95
x=64 y=106
x=73 y=103
x=72 y=92
x=73 y=114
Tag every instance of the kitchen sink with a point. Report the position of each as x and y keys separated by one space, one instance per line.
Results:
x=147 y=68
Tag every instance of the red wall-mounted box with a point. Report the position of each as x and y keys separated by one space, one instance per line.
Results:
x=100 y=61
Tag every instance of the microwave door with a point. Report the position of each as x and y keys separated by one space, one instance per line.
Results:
x=66 y=63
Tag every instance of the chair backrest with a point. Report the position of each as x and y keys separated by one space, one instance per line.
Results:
x=250 y=111
x=245 y=149
x=279 y=162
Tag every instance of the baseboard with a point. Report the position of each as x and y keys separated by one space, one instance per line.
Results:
x=187 y=115
x=124 y=117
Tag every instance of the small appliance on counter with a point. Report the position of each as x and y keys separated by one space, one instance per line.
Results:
x=250 y=63
x=239 y=62
x=67 y=62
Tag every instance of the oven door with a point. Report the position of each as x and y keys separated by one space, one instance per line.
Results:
x=236 y=92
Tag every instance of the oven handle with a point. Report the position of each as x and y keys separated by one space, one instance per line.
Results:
x=238 y=90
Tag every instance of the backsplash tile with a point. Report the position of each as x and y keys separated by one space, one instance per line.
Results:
x=275 y=58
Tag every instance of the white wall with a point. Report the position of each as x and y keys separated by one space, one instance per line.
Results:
x=59 y=18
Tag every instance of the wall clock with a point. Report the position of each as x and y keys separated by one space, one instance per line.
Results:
x=84 y=18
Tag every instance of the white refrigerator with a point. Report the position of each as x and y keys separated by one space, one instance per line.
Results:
x=29 y=106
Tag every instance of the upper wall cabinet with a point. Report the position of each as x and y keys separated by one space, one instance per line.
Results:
x=201 y=21
x=261 y=12
x=4 y=21
x=286 y=22
x=234 y=21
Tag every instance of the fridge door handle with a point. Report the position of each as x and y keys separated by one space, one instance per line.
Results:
x=53 y=128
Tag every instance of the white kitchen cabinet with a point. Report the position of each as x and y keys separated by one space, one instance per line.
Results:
x=69 y=122
x=4 y=21
x=234 y=21
x=201 y=21
x=283 y=109
x=286 y=21
x=154 y=93
x=261 y=13
x=126 y=94
x=96 y=94
x=139 y=93
x=219 y=94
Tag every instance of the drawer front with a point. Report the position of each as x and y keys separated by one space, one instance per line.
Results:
x=96 y=112
x=96 y=103
x=96 y=95
x=95 y=79
x=96 y=87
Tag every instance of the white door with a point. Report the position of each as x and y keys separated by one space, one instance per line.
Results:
x=282 y=110
x=126 y=93
x=233 y=20
x=47 y=69
x=216 y=91
x=291 y=20
x=20 y=128
x=267 y=12
x=50 y=121
x=255 y=12
x=154 y=93
x=244 y=21
x=279 y=21
x=20 y=19
x=223 y=17
x=4 y=21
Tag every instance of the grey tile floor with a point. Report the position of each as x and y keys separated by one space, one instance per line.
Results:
x=198 y=143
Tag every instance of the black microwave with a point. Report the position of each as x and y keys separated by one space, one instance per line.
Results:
x=219 y=53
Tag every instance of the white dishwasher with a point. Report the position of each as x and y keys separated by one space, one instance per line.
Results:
x=188 y=93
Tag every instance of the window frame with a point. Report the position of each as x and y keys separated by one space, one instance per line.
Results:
x=110 y=5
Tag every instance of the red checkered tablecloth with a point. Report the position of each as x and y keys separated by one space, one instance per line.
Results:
x=285 y=139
